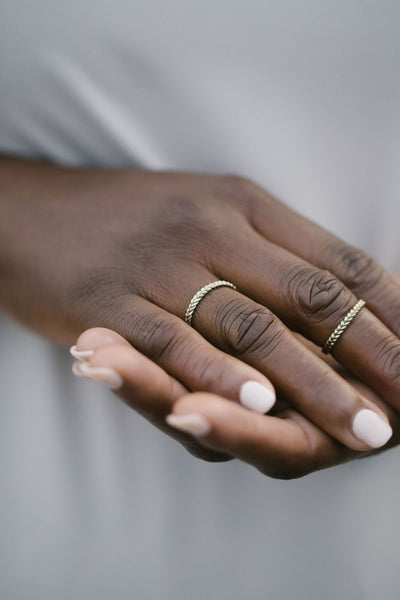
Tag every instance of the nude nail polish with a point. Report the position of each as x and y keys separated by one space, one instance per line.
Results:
x=256 y=396
x=371 y=428
x=194 y=424
x=103 y=375
x=81 y=354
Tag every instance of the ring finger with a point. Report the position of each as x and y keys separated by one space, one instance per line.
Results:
x=241 y=327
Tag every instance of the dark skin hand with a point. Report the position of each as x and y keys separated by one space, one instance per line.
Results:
x=284 y=445
x=127 y=249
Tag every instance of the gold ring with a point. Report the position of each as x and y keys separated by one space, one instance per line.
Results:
x=193 y=304
x=343 y=325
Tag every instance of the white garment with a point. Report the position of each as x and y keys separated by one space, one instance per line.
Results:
x=302 y=97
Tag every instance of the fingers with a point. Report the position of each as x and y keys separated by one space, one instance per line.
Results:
x=314 y=302
x=250 y=331
x=115 y=363
x=358 y=271
x=94 y=338
x=279 y=447
x=240 y=327
x=187 y=357
x=138 y=381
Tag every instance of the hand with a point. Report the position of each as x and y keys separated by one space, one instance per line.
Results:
x=284 y=446
x=128 y=249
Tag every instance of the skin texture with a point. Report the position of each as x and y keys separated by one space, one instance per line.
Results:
x=283 y=445
x=127 y=249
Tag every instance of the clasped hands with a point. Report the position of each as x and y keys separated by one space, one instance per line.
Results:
x=209 y=386
x=118 y=254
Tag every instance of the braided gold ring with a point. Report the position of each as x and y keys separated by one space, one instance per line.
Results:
x=193 y=304
x=343 y=325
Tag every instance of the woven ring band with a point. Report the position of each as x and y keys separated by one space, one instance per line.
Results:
x=193 y=304
x=343 y=325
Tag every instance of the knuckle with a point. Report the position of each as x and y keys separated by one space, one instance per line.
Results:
x=203 y=367
x=354 y=266
x=239 y=188
x=209 y=368
x=96 y=291
x=238 y=182
x=321 y=382
x=95 y=300
x=248 y=329
x=387 y=353
x=317 y=294
x=157 y=337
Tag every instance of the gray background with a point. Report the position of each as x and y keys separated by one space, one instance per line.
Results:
x=304 y=98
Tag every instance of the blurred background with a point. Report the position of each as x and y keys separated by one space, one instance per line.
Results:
x=302 y=97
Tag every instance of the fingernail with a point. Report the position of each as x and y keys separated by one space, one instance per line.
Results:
x=75 y=369
x=80 y=354
x=257 y=397
x=371 y=428
x=194 y=424
x=104 y=375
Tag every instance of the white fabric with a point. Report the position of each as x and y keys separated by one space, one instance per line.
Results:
x=304 y=98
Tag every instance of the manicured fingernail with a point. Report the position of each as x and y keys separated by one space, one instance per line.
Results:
x=371 y=428
x=80 y=354
x=104 y=375
x=257 y=397
x=194 y=424
x=76 y=370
